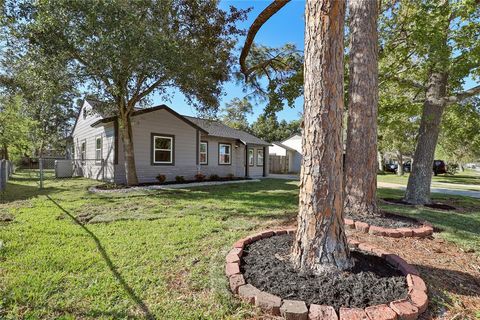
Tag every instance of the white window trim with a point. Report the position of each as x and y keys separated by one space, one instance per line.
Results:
x=229 y=154
x=99 y=149
x=170 y=150
x=206 y=152
x=263 y=155
x=252 y=163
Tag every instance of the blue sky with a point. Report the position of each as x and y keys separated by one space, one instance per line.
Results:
x=285 y=26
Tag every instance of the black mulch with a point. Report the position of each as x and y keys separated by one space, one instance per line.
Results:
x=389 y=220
x=371 y=281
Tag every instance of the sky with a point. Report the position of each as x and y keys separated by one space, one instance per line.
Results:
x=287 y=26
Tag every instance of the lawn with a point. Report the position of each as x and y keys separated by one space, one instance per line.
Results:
x=467 y=180
x=147 y=254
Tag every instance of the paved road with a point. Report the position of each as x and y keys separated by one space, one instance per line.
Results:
x=466 y=193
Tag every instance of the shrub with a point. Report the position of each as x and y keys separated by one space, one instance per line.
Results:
x=214 y=177
x=200 y=177
x=161 y=178
x=230 y=176
x=180 y=178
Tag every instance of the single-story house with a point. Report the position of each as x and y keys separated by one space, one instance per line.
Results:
x=291 y=149
x=165 y=143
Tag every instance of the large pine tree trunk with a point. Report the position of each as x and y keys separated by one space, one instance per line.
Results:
x=419 y=181
x=127 y=139
x=320 y=243
x=361 y=152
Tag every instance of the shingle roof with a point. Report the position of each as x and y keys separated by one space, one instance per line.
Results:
x=218 y=129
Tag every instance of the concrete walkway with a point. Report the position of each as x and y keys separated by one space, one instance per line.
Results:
x=452 y=191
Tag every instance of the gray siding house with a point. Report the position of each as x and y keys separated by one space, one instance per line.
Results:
x=166 y=143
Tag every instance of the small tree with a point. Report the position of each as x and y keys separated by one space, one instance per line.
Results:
x=127 y=50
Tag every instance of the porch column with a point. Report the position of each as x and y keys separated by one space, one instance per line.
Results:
x=246 y=161
x=264 y=161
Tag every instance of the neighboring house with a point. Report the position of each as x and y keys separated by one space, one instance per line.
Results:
x=291 y=149
x=166 y=143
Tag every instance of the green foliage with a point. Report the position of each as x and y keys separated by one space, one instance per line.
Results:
x=15 y=128
x=235 y=113
x=126 y=50
x=398 y=121
x=269 y=129
x=276 y=76
x=459 y=140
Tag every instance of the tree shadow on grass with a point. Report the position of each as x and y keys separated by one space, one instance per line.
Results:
x=110 y=264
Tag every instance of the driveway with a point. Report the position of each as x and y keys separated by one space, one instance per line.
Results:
x=457 y=192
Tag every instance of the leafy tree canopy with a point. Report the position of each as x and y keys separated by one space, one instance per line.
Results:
x=268 y=128
x=235 y=113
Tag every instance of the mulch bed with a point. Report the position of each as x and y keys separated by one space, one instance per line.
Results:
x=436 y=205
x=113 y=186
x=451 y=274
x=371 y=281
x=389 y=220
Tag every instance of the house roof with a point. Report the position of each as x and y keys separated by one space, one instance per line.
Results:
x=218 y=129
x=283 y=146
x=148 y=110
x=210 y=127
x=293 y=135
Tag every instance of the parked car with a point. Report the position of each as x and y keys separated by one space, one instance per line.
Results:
x=439 y=167
x=407 y=166
x=391 y=167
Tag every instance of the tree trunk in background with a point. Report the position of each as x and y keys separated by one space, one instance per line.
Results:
x=400 y=163
x=380 y=161
x=419 y=181
x=5 y=152
x=127 y=139
x=460 y=167
x=361 y=154
x=321 y=243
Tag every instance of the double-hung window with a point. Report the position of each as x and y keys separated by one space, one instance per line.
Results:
x=251 y=157
x=83 y=150
x=98 y=149
x=260 y=157
x=203 y=152
x=224 y=153
x=162 y=149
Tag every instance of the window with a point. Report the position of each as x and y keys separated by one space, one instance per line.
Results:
x=251 y=157
x=83 y=150
x=260 y=157
x=224 y=153
x=162 y=149
x=203 y=152
x=98 y=149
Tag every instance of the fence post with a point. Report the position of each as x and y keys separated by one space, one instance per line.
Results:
x=40 y=167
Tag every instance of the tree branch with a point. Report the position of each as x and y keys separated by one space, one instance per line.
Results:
x=269 y=11
x=459 y=97
x=409 y=82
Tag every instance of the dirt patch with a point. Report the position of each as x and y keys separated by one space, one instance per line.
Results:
x=389 y=220
x=6 y=217
x=371 y=281
x=397 y=201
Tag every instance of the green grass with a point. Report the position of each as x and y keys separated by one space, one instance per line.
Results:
x=161 y=255
x=468 y=180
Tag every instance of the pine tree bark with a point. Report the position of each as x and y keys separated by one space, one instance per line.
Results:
x=361 y=154
x=127 y=140
x=419 y=181
x=321 y=244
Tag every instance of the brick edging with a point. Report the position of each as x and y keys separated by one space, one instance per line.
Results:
x=421 y=232
x=409 y=308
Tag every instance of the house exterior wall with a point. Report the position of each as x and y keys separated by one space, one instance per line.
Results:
x=295 y=160
x=160 y=122
x=278 y=150
x=83 y=132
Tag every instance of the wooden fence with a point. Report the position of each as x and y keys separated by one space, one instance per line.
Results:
x=278 y=164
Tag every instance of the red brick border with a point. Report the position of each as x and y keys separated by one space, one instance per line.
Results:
x=409 y=308
x=421 y=232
